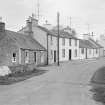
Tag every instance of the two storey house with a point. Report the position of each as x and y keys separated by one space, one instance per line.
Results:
x=68 y=45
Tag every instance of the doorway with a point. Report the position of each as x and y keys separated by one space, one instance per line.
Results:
x=86 y=53
x=54 y=56
x=69 y=54
x=35 y=57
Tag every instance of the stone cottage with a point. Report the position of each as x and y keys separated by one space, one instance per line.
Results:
x=90 y=49
x=16 y=48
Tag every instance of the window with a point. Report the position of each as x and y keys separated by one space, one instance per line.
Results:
x=51 y=54
x=96 y=51
x=82 y=50
x=76 y=53
x=69 y=42
x=63 y=52
x=89 y=51
x=14 y=57
x=26 y=56
x=51 y=40
x=63 y=41
x=75 y=42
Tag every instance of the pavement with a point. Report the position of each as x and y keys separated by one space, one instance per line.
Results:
x=68 y=84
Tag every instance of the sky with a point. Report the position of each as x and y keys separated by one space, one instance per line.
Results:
x=86 y=15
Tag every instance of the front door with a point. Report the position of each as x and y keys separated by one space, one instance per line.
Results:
x=54 y=56
x=35 y=57
x=69 y=54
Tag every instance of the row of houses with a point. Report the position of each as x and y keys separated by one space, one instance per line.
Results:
x=90 y=49
x=37 y=45
x=70 y=47
x=101 y=41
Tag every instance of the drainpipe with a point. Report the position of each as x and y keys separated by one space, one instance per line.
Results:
x=47 y=50
x=58 y=37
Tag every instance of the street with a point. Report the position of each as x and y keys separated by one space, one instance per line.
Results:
x=68 y=84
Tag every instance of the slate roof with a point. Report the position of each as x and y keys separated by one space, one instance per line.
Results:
x=82 y=44
x=23 y=41
x=98 y=45
x=87 y=44
x=64 y=34
x=54 y=33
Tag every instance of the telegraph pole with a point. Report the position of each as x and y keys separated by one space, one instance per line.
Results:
x=58 y=37
x=38 y=8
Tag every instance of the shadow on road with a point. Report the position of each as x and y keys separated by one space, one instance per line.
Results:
x=98 y=85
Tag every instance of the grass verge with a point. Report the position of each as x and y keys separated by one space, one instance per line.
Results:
x=20 y=76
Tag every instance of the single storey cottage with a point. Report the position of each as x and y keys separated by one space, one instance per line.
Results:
x=16 y=48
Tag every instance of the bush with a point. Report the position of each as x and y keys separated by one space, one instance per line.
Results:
x=99 y=95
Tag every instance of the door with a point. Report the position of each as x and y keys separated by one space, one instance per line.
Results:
x=54 y=56
x=35 y=57
x=86 y=53
x=69 y=54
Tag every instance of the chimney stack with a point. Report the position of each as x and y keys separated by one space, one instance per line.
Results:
x=29 y=25
x=2 y=25
x=34 y=20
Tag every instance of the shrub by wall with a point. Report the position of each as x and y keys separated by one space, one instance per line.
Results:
x=22 y=68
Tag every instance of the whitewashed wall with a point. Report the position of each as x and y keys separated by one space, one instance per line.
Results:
x=95 y=55
x=67 y=47
x=90 y=55
x=82 y=55
x=52 y=47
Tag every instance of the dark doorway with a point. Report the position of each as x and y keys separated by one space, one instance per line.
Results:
x=35 y=57
x=69 y=54
x=86 y=53
x=54 y=56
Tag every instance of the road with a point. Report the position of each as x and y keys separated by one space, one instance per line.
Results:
x=68 y=84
